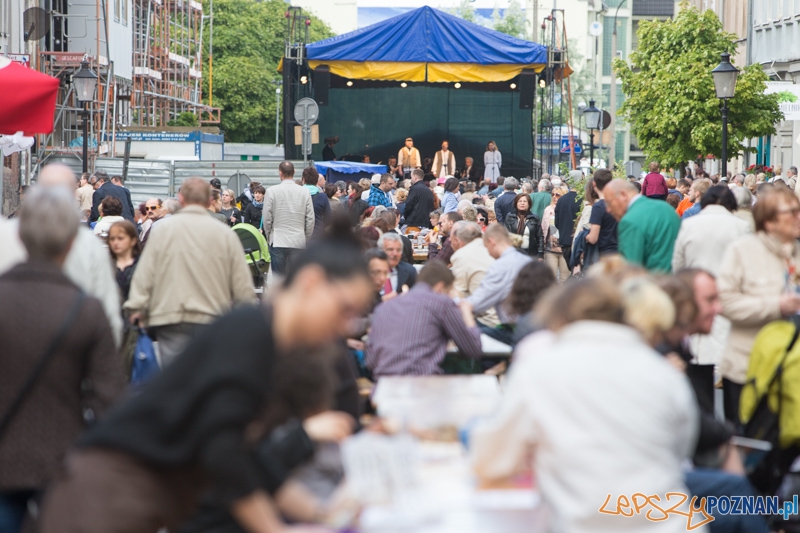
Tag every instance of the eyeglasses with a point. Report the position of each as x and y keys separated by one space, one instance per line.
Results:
x=152 y=207
x=790 y=210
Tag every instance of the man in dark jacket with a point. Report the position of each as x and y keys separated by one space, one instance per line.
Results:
x=419 y=203
x=505 y=202
x=117 y=180
x=322 y=206
x=106 y=188
x=566 y=214
x=37 y=301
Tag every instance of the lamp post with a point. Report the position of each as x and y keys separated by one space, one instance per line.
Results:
x=725 y=85
x=85 y=83
x=592 y=116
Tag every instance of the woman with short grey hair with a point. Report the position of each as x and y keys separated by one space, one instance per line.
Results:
x=60 y=341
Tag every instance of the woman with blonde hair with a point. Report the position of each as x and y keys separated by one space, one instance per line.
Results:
x=492 y=162
x=552 y=251
x=601 y=383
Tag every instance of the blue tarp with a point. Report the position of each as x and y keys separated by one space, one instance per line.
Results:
x=431 y=36
x=345 y=167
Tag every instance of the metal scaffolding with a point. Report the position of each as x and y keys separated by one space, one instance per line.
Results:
x=167 y=62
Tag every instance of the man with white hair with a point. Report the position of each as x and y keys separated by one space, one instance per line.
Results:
x=374 y=181
x=542 y=198
x=469 y=264
x=87 y=264
x=402 y=275
x=647 y=228
x=505 y=202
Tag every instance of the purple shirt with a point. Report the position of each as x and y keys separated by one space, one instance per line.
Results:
x=417 y=344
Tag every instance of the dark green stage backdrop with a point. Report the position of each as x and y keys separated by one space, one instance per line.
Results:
x=376 y=121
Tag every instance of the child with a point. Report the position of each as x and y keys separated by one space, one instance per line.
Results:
x=123 y=243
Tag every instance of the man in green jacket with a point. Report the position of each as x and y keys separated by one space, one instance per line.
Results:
x=541 y=199
x=647 y=228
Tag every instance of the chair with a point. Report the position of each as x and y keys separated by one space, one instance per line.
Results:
x=256 y=253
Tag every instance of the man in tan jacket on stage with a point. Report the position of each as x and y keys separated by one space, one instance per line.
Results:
x=408 y=158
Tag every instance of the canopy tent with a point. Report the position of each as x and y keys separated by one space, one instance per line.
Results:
x=427 y=45
x=27 y=99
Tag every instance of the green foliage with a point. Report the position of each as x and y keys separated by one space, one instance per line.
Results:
x=512 y=22
x=186 y=119
x=787 y=96
x=248 y=46
x=671 y=104
x=465 y=10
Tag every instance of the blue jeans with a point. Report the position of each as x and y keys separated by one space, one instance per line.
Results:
x=280 y=258
x=13 y=508
x=704 y=482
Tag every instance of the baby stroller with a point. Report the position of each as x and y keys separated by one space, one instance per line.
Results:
x=256 y=253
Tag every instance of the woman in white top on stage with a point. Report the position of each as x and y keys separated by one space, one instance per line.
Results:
x=492 y=161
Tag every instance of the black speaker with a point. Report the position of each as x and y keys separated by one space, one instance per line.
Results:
x=527 y=88
x=322 y=82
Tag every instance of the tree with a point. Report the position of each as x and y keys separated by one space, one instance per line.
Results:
x=186 y=119
x=248 y=45
x=671 y=104
x=512 y=22
x=464 y=10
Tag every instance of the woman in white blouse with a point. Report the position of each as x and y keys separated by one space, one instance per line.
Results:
x=492 y=161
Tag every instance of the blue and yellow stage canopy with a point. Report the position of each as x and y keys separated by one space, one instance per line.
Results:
x=427 y=45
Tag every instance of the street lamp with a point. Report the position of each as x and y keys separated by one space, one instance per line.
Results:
x=85 y=83
x=592 y=116
x=725 y=84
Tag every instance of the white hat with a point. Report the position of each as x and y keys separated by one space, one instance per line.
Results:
x=376 y=179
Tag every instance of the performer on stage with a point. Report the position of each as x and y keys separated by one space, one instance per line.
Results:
x=408 y=158
x=327 y=152
x=469 y=172
x=444 y=162
x=493 y=161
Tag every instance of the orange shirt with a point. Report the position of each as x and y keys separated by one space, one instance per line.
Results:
x=684 y=205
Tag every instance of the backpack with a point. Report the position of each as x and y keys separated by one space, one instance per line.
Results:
x=769 y=406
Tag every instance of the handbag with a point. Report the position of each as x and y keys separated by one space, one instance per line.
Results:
x=145 y=362
x=16 y=404
x=764 y=425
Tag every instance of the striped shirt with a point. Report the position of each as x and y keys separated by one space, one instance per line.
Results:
x=417 y=344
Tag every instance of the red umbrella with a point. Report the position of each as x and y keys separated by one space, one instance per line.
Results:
x=27 y=99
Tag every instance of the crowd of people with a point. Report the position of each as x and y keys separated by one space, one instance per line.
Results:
x=620 y=297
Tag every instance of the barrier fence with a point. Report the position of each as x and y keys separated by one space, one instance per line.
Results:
x=162 y=179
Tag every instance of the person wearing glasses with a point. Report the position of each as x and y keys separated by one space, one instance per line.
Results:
x=152 y=213
x=482 y=218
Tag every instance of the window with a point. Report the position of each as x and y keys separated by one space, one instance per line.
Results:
x=622 y=41
x=117 y=9
x=124 y=14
